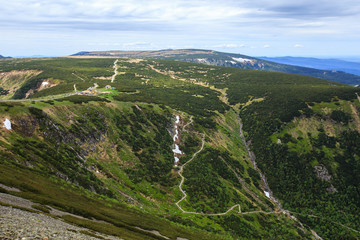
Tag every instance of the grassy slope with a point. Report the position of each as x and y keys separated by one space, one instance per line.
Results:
x=34 y=142
x=330 y=141
x=113 y=149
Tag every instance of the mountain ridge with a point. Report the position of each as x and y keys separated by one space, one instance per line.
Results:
x=319 y=63
x=1 y=56
x=215 y=58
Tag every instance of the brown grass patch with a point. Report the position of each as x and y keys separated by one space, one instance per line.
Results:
x=13 y=80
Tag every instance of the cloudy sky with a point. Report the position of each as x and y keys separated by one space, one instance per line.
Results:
x=319 y=28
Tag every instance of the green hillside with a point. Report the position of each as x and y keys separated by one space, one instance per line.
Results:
x=223 y=59
x=106 y=157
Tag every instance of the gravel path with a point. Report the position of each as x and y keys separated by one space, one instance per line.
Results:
x=115 y=71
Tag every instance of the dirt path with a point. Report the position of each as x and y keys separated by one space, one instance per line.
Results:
x=183 y=178
x=79 y=77
x=356 y=116
x=186 y=125
x=115 y=70
x=37 y=100
x=223 y=97
x=185 y=195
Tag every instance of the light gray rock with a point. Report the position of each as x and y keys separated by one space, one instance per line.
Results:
x=19 y=224
x=322 y=173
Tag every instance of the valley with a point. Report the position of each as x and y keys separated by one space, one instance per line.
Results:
x=248 y=148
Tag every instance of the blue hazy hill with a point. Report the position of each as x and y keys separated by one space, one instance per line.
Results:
x=325 y=64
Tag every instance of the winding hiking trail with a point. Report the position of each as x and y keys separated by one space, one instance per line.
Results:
x=115 y=70
x=252 y=157
x=183 y=178
x=185 y=195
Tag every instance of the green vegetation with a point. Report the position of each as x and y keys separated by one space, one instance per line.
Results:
x=290 y=166
x=3 y=91
x=42 y=208
x=69 y=71
x=108 y=156
x=230 y=60
x=78 y=99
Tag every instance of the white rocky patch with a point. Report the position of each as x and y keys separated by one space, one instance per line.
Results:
x=267 y=194
x=7 y=124
x=232 y=62
x=176 y=134
x=176 y=149
x=243 y=60
x=203 y=60
x=45 y=83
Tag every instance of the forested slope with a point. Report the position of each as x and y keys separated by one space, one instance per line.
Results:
x=115 y=149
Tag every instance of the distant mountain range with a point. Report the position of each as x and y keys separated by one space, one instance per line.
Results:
x=34 y=56
x=1 y=56
x=215 y=58
x=327 y=64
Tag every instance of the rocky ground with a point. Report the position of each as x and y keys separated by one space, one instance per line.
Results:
x=19 y=224
x=24 y=225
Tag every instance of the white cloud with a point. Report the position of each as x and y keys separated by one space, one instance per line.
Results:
x=298 y=46
x=137 y=45
x=229 y=45
x=131 y=24
x=310 y=24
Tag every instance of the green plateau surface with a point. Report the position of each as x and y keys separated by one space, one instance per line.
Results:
x=106 y=159
x=215 y=58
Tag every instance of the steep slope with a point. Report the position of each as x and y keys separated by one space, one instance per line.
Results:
x=110 y=156
x=229 y=60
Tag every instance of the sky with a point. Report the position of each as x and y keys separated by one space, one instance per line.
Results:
x=310 y=28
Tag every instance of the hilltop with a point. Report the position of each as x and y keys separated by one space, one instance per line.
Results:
x=215 y=58
x=138 y=148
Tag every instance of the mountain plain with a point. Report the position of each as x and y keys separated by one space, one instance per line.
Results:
x=340 y=71
x=139 y=148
